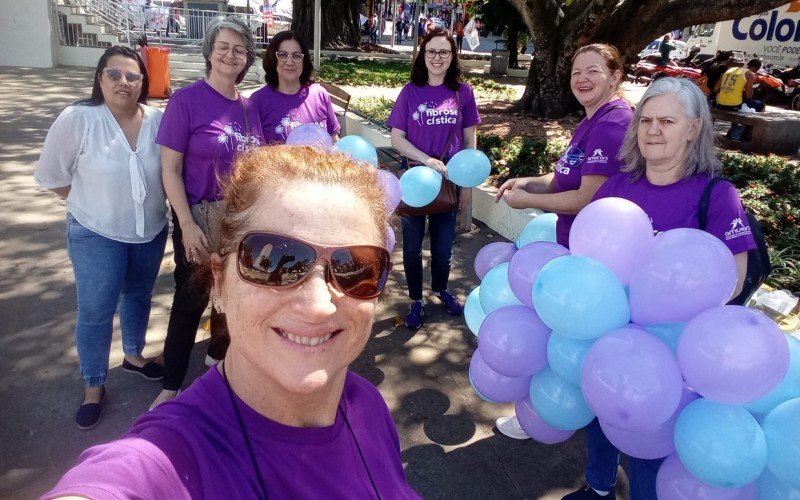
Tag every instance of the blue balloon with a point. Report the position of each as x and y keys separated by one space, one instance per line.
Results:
x=669 y=333
x=566 y=356
x=559 y=403
x=473 y=311
x=495 y=290
x=420 y=186
x=782 y=429
x=580 y=297
x=772 y=488
x=720 y=444
x=542 y=228
x=789 y=388
x=469 y=168
x=358 y=148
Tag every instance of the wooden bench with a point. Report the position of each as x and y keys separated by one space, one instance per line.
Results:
x=391 y=160
x=774 y=131
x=341 y=101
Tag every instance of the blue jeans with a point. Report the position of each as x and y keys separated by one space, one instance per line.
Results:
x=601 y=466
x=442 y=229
x=110 y=273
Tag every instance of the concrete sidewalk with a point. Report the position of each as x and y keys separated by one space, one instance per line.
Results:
x=449 y=446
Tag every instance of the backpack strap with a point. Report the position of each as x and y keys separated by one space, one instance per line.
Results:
x=705 y=200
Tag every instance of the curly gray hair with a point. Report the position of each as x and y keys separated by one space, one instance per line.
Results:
x=700 y=158
x=234 y=24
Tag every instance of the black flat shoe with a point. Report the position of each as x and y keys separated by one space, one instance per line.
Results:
x=150 y=370
x=88 y=414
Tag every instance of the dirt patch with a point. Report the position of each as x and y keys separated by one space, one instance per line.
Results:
x=500 y=118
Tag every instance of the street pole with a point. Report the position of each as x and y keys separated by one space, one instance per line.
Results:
x=393 y=10
x=317 y=32
x=416 y=29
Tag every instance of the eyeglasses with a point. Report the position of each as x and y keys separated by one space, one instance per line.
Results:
x=222 y=49
x=115 y=75
x=269 y=259
x=294 y=56
x=443 y=54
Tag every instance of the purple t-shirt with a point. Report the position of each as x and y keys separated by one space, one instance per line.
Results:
x=192 y=447
x=428 y=114
x=209 y=129
x=675 y=205
x=592 y=150
x=281 y=113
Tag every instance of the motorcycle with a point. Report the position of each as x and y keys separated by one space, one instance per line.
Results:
x=778 y=87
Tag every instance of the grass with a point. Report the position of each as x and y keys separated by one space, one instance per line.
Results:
x=377 y=109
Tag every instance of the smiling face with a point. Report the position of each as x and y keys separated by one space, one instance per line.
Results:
x=228 y=64
x=664 y=132
x=300 y=339
x=591 y=81
x=437 y=66
x=289 y=69
x=121 y=93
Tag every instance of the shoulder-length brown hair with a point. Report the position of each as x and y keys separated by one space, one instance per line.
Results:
x=419 y=72
x=270 y=63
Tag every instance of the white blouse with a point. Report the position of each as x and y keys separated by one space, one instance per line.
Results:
x=116 y=191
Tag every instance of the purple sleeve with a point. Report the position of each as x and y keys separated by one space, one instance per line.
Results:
x=129 y=468
x=332 y=122
x=398 y=118
x=602 y=147
x=175 y=126
x=469 y=106
x=727 y=220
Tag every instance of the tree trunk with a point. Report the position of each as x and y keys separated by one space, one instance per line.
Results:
x=513 y=46
x=340 y=27
x=558 y=29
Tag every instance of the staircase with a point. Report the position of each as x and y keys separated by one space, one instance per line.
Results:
x=79 y=27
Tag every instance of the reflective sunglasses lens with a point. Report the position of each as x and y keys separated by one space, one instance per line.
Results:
x=268 y=259
x=133 y=77
x=360 y=271
x=113 y=74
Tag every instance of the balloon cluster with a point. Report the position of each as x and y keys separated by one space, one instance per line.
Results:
x=631 y=328
x=420 y=185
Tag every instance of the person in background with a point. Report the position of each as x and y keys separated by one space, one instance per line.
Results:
x=736 y=87
x=714 y=69
x=590 y=158
x=421 y=29
x=669 y=160
x=459 y=35
x=290 y=97
x=665 y=48
x=373 y=38
x=687 y=61
x=281 y=416
x=434 y=114
x=101 y=155
x=398 y=28
x=206 y=124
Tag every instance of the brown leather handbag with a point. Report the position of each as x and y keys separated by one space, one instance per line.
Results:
x=447 y=199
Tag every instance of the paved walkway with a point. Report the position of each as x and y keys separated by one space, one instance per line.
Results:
x=449 y=447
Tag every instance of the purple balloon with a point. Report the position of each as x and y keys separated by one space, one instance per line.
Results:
x=513 y=341
x=615 y=232
x=631 y=380
x=526 y=264
x=535 y=427
x=391 y=239
x=492 y=385
x=674 y=482
x=657 y=442
x=732 y=354
x=491 y=255
x=686 y=272
x=391 y=186
x=310 y=134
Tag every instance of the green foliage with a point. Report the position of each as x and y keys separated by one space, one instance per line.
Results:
x=388 y=74
x=770 y=188
x=520 y=156
x=377 y=109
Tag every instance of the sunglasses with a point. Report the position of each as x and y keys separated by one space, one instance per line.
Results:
x=116 y=74
x=294 y=56
x=269 y=259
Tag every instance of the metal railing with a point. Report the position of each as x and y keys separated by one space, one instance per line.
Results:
x=128 y=21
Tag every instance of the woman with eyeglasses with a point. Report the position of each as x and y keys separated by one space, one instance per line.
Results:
x=101 y=156
x=435 y=116
x=291 y=98
x=590 y=158
x=206 y=124
x=281 y=416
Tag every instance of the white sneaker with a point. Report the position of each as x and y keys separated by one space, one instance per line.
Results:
x=509 y=426
x=211 y=361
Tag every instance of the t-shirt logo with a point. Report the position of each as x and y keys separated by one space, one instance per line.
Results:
x=572 y=158
x=234 y=140
x=738 y=228
x=428 y=114
x=597 y=157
